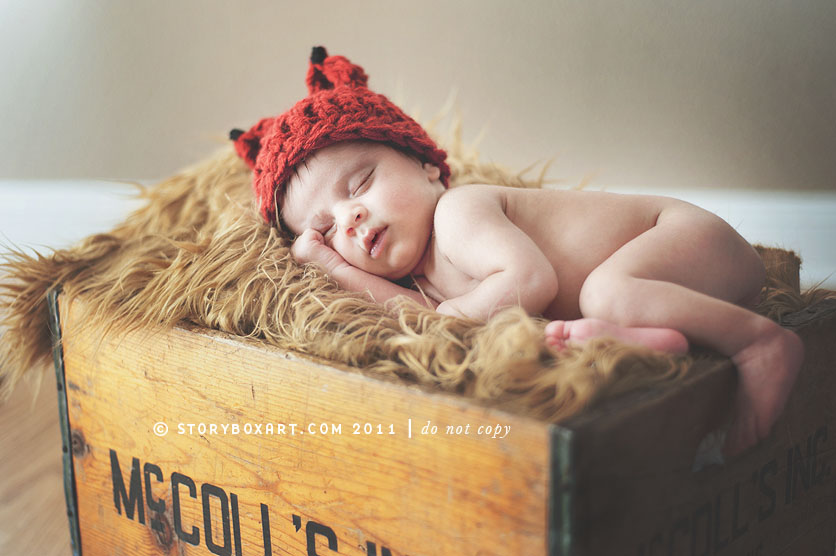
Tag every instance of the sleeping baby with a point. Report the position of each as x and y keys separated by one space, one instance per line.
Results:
x=364 y=189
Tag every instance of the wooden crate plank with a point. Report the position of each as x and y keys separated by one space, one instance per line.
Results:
x=361 y=493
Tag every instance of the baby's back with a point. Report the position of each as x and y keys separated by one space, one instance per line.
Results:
x=576 y=230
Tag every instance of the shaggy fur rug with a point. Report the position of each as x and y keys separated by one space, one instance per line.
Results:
x=198 y=251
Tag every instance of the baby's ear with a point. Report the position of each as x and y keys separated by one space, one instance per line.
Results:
x=432 y=171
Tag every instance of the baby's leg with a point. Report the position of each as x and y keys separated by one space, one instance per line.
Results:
x=689 y=273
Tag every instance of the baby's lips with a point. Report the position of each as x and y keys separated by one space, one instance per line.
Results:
x=368 y=238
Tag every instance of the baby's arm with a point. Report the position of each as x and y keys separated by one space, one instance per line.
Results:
x=310 y=247
x=474 y=233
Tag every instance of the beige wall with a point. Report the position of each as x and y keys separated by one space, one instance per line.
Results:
x=712 y=93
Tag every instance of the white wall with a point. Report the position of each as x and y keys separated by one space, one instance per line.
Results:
x=644 y=93
x=689 y=98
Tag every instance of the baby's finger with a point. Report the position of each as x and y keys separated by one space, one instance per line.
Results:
x=311 y=236
x=304 y=247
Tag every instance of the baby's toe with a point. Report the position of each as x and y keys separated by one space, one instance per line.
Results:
x=555 y=333
x=556 y=329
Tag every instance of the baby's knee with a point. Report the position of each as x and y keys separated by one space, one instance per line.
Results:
x=602 y=296
x=755 y=266
x=748 y=271
x=755 y=275
x=740 y=262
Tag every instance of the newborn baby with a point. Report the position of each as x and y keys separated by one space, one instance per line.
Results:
x=364 y=189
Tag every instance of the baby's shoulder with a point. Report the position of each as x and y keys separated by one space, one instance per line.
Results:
x=477 y=189
x=461 y=208
x=471 y=195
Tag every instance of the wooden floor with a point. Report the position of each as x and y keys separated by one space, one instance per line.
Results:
x=33 y=515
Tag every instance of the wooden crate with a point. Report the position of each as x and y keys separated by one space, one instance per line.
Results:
x=325 y=461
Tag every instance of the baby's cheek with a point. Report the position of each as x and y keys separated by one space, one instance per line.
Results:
x=339 y=246
x=347 y=251
x=400 y=203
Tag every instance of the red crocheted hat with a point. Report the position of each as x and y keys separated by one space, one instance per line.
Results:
x=339 y=107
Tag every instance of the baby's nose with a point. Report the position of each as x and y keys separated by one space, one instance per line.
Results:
x=355 y=217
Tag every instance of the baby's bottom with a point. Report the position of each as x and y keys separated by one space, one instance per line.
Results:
x=690 y=274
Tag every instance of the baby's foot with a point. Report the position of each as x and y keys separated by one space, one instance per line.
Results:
x=559 y=333
x=767 y=369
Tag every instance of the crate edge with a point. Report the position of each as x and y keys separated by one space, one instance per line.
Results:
x=562 y=491
x=64 y=420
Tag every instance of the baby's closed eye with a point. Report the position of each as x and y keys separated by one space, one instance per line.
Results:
x=362 y=185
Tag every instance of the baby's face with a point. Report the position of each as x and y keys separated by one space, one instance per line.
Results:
x=373 y=205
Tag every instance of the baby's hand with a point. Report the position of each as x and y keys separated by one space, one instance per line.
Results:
x=310 y=248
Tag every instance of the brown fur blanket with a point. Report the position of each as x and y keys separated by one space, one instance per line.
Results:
x=197 y=251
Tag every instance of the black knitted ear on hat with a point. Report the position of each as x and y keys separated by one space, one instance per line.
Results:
x=318 y=54
x=248 y=143
x=316 y=79
x=326 y=72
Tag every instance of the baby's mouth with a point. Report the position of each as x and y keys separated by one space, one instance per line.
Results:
x=374 y=241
